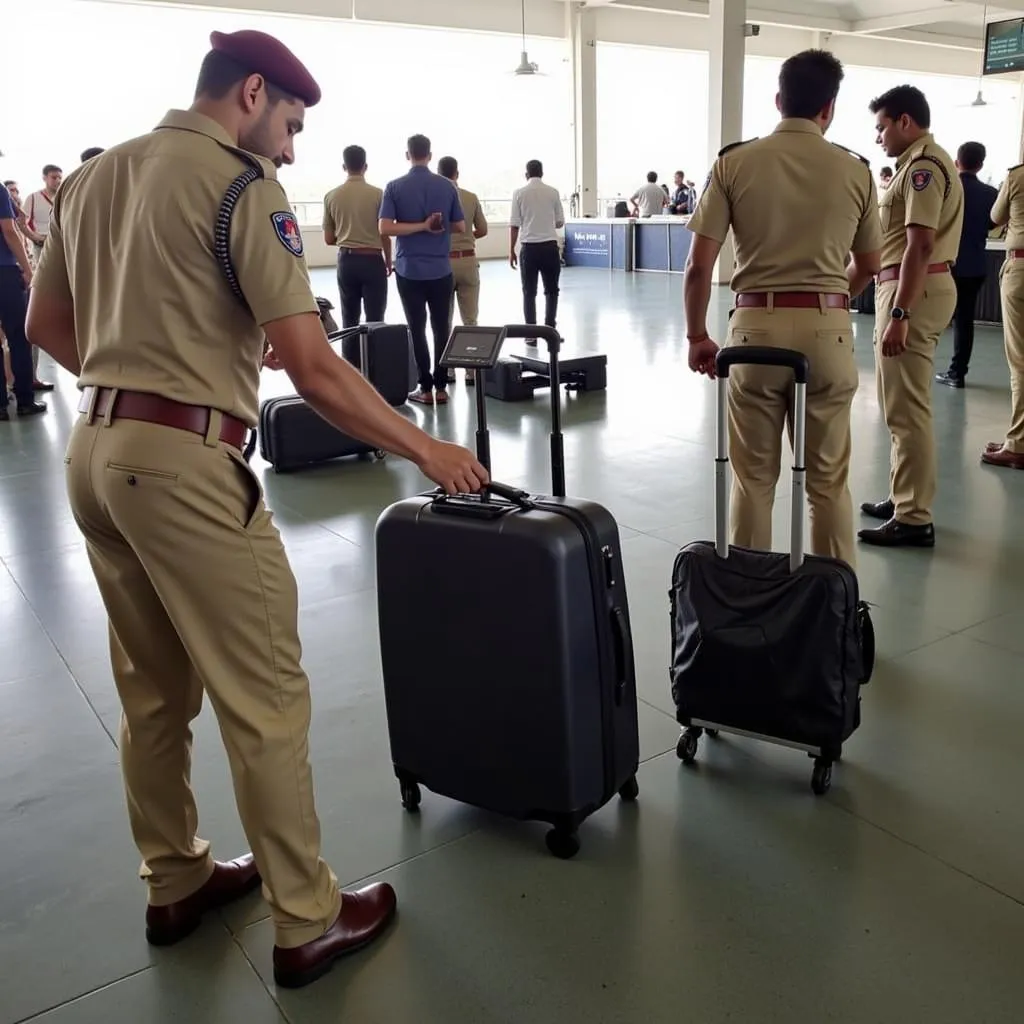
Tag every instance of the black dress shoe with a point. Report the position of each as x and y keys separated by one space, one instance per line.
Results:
x=951 y=380
x=895 y=534
x=879 y=509
x=32 y=409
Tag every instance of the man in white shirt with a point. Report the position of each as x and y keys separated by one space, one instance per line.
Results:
x=536 y=218
x=650 y=198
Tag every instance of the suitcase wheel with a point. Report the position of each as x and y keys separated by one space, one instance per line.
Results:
x=686 y=748
x=563 y=843
x=821 y=778
x=630 y=791
x=411 y=796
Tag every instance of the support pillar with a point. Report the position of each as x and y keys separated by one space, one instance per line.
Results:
x=727 y=48
x=581 y=31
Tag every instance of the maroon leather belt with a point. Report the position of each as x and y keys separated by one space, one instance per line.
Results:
x=792 y=300
x=462 y=254
x=361 y=252
x=893 y=273
x=138 y=405
x=1015 y=254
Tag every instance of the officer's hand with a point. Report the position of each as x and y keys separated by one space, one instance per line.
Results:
x=271 y=362
x=894 y=338
x=513 y=260
x=454 y=468
x=390 y=268
x=26 y=276
x=702 y=356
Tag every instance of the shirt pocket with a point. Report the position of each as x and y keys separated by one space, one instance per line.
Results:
x=886 y=207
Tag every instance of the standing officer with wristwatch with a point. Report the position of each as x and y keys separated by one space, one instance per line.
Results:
x=922 y=214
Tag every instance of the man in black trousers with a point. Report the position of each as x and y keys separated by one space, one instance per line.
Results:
x=969 y=271
x=536 y=217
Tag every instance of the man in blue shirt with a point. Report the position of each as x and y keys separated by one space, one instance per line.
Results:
x=970 y=267
x=15 y=277
x=422 y=210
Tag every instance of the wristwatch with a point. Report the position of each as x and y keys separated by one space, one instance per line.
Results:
x=899 y=313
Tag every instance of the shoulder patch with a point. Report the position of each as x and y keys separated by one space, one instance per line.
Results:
x=863 y=159
x=920 y=180
x=733 y=145
x=286 y=227
x=921 y=177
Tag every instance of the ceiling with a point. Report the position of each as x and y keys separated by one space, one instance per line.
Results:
x=956 y=23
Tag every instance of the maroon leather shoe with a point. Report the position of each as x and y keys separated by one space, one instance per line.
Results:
x=229 y=882
x=1001 y=457
x=364 y=916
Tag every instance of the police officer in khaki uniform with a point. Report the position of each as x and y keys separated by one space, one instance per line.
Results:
x=364 y=254
x=922 y=214
x=133 y=297
x=793 y=291
x=1009 y=210
x=465 y=265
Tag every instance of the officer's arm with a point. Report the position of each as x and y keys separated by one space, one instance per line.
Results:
x=710 y=226
x=330 y=234
x=480 y=225
x=924 y=187
x=866 y=250
x=700 y=269
x=50 y=323
x=1000 y=214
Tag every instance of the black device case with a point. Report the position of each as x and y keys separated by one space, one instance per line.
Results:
x=775 y=646
x=292 y=434
x=389 y=366
x=506 y=648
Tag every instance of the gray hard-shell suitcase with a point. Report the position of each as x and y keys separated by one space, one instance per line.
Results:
x=506 y=647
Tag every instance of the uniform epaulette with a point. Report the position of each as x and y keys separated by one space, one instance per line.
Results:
x=863 y=159
x=733 y=145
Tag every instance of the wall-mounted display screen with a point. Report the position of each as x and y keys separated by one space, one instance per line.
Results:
x=1004 y=47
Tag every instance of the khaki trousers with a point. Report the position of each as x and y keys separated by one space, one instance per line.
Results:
x=466 y=271
x=201 y=598
x=905 y=384
x=1011 y=292
x=761 y=405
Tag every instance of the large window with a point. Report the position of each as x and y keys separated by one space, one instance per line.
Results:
x=955 y=119
x=125 y=65
x=652 y=116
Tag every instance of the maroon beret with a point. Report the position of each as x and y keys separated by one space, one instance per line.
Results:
x=264 y=55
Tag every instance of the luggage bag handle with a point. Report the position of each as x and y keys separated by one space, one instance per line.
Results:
x=757 y=355
x=554 y=343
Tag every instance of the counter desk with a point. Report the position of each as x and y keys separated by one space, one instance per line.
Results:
x=660 y=244
x=990 y=309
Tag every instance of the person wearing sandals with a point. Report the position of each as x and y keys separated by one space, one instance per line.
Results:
x=422 y=211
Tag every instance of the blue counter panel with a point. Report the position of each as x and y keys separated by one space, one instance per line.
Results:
x=605 y=245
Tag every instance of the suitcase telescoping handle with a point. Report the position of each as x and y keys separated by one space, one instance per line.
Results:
x=554 y=342
x=363 y=332
x=754 y=355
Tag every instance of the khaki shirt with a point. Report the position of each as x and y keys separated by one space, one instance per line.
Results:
x=925 y=191
x=131 y=246
x=1009 y=207
x=474 y=219
x=352 y=212
x=797 y=205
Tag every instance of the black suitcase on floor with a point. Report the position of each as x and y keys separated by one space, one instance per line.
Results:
x=292 y=434
x=389 y=366
x=774 y=646
x=506 y=648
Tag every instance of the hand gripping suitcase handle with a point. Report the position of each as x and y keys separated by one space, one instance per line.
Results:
x=754 y=355
x=481 y=508
x=554 y=342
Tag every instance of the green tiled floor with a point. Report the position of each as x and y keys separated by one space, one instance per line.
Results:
x=728 y=893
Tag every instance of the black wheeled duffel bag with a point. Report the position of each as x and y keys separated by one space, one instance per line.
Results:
x=773 y=646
